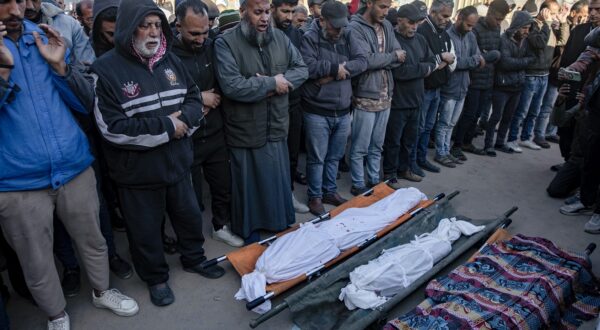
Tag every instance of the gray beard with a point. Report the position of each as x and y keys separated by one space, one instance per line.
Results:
x=255 y=37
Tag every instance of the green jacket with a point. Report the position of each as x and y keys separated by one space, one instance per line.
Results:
x=252 y=117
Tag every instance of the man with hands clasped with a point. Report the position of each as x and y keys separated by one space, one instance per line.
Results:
x=332 y=58
x=45 y=165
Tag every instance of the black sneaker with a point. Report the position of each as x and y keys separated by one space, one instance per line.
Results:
x=458 y=154
x=120 y=267
x=355 y=191
x=161 y=294
x=343 y=166
x=416 y=169
x=71 y=282
x=209 y=272
x=427 y=166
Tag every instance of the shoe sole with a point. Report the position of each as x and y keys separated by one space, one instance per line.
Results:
x=586 y=213
x=71 y=294
x=126 y=276
x=224 y=241
x=594 y=232
x=204 y=275
x=132 y=313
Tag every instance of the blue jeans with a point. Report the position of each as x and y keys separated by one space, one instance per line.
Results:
x=528 y=108
x=368 y=134
x=450 y=110
x=326 y=139
x=543 y=118
x=428 y=116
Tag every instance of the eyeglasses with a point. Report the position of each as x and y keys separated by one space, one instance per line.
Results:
x=147 y=25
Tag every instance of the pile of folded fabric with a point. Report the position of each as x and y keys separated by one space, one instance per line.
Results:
x=311 y=246
x=521 y=283
x=371 y=285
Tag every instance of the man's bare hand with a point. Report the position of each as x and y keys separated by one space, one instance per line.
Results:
x=54 y=51
x=546 y=15
x=180 y=127
x=282 y=85
x=448 y=57
x=481 y=62
x=210 y=99
x=6 y=57
x=442 y=65
x=342 y=72
x=401 y=55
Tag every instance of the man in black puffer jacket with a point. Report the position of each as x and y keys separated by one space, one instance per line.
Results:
x=510 y=77
x=147 y=108
x=479 y=96
x=211 y=161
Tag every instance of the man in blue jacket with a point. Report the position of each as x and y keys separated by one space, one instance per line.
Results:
x=45 y=165
x=332 y=59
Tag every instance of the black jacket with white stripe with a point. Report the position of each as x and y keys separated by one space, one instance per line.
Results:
x=133 y=103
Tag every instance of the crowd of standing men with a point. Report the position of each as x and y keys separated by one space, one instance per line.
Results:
x=113 y=120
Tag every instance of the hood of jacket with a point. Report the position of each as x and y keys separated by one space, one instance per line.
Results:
x=520 y=19
x=98 y=43
x=130 y=14
x=50 y=11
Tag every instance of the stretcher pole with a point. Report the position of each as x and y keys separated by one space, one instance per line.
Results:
x=322 y=217
x=315 y=272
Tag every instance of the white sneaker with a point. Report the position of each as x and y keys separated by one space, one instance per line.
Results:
x=62 y=323
x=529 y=144
x=116 y=302
x=299 y=207
x=226 y=236
x=575 y=209
x=514 y=147
x=593 y=226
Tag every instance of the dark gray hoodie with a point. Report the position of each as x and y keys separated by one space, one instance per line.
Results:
x=369 y=83
x=510 y=70
x=322 y=58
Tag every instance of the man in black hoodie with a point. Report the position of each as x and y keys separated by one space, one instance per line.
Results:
x=102 y=36
x=403 y=124
x=195 y=50
x=510 y=78
x=147 y=108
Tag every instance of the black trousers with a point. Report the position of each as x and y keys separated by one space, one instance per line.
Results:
x=566 y=134
x=294 y=138
x=211 y=161
x=590 y=179
x=143 y=211
x=475 y=101
x=567 y=179
x=400 y=140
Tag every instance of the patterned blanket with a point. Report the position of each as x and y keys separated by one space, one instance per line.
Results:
x=522 y=283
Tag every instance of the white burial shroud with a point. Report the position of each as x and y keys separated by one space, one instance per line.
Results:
x=371 y=285
x=312 y=246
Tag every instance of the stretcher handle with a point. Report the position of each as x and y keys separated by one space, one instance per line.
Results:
x=506 y=223
x=511 y=211
x=590 y=248
x=453 y=194
x=212 y=262
x=258 y=301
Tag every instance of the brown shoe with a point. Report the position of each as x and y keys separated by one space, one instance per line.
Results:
x=315 y=205
x=410 y=176
x=334 y=199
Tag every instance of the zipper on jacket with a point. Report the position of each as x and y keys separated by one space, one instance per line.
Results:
x=169 y=145
x=264 y=63
x=204 y=116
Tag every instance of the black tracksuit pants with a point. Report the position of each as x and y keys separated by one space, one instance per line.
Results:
x=211 y=160
x=143 y=211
